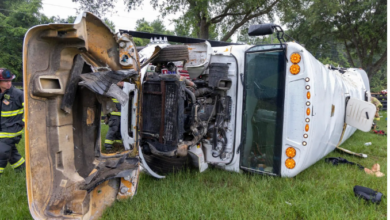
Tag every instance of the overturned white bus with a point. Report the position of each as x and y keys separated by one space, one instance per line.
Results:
x=267 y=109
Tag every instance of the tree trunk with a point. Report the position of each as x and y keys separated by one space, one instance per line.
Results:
x=372 y=69
x=203 y=28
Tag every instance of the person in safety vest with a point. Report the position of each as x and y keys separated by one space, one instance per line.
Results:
x=378 y=105
x=113 y=135
x=11 y=122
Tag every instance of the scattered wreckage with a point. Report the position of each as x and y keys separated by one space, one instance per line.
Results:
x=267 y=109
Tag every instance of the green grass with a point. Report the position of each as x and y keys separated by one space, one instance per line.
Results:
x=322 y=191
x=103 y=132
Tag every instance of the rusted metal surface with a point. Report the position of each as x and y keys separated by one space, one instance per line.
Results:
x=90 y=116
x=128 y=56
x=128 y=185
x=173 y=53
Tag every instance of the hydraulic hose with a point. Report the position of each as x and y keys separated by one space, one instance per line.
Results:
x=191 y=94
x=203 y=91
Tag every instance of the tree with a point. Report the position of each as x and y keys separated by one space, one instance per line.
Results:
x=16 y=17
x=109 y=24
x=228 y=15
x=379 y=81
x=97 y=7
x=156 y=26
x=244 y=38
x=205 y=15
x=359 y=26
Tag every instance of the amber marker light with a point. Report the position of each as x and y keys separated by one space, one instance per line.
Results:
x=308 y=111
x=291 y=152
x=294 y=69
x=308 y=95
x=295 y=58
x=307 y=127
x=290 y=163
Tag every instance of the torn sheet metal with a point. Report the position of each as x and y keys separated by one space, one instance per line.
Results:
x=104 y=83
x=163 y=53
x=109 y=169
x=148 y=53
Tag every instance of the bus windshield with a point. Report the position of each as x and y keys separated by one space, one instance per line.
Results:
x=263 y=109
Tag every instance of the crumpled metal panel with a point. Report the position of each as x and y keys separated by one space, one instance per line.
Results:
x=56 y=187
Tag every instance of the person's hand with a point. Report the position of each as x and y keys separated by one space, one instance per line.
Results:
x=120 y=84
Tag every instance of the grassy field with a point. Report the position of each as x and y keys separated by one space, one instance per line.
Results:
x=322 y=191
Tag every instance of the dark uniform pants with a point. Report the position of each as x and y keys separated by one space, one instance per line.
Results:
x=114 y=131
x=9 y=153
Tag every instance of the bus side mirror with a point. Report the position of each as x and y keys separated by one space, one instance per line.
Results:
x=261 y=29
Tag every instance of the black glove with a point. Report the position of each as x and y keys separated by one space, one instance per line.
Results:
x=368 y=194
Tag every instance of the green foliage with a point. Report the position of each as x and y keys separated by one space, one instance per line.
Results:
x=243 y=37
x=156 y=26
x=16 y=17
x=335 y=57
x=110 y=24
x=207 y=19
x=379 y=81
x=186 y=28
x=327 y=60
x=211 y=18
x=359 y=27
x=69 y=19
x=97 y=7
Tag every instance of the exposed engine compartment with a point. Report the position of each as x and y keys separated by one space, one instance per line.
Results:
x=179 y=112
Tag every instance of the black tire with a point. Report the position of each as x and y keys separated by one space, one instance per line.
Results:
x=165 y=165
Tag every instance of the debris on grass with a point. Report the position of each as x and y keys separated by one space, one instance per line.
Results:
x=367 y=194
x=380 y=132
x=336 y=160
x=375 y=170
